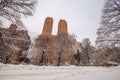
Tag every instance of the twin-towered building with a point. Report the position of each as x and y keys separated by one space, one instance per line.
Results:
x=48 y=25
x=49 y=46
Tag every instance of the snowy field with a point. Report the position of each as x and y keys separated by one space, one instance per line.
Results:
x=31 y=72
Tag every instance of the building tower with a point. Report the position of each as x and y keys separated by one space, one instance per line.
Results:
x=47 y=28
x=62 y=28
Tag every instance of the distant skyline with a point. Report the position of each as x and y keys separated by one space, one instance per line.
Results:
x=82 y=16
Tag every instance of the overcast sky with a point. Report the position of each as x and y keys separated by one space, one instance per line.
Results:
x=82 y=16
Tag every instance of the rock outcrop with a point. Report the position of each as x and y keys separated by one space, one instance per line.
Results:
x=13 y=42
x=12 y=29
x=15 y=38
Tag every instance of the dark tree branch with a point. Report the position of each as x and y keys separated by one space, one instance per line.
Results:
x=12 y=10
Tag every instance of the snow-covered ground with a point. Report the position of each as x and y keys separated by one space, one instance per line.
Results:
x=31 y=72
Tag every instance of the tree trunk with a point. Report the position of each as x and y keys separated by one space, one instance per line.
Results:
x=88 y=59
x=1 y=40
x=42 y=58
x=59 y=58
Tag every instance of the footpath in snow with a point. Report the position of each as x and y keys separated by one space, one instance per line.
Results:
x=32 y=72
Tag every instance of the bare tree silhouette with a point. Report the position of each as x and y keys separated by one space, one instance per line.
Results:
x=13 y=10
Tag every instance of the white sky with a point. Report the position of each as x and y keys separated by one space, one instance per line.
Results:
x=82 y=16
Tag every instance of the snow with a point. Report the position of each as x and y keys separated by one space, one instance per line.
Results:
x=32 y=72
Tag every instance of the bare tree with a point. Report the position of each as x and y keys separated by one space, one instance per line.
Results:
x=108 y=38
x=64 y=45
x=86 y=48
x=108 y=32
x=77 y=57
x=111 y=12
x=12 y=10
x=113 y=54
x=43 y=43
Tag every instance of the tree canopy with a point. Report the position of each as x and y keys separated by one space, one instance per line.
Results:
x=13 y=10
x=109 y=30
